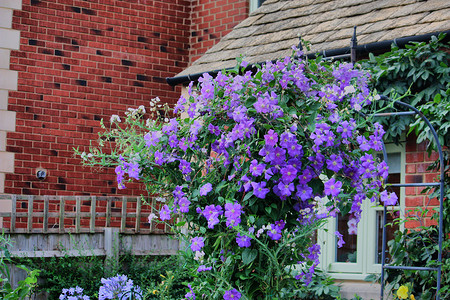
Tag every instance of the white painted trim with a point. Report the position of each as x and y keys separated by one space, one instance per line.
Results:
x=10 y=40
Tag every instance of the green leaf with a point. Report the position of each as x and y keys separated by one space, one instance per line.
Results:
x=249 y=255
x=247 y=196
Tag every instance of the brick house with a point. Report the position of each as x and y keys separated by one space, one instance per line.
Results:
x=268 y=34
x=67 y=64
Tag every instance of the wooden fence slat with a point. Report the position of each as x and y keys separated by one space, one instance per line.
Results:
x=108 y=212
x=93 y=216
x=138 y=214
x=78 y=216
x=30 y=213
x=61 y=214
x=13 y=213
x=45 y=223
x=123 y=219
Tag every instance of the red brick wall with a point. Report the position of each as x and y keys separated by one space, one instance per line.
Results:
x=79 y=62
x=417 y=162
x=212 y=20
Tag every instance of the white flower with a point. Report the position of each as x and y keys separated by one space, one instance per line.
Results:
x=160 y=199
x=115 y=118
x=199 y=255
x=151 y=217
x=84 y=156
x=141 y=109
x=349 y=89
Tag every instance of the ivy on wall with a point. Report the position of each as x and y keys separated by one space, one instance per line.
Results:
x=420 y=73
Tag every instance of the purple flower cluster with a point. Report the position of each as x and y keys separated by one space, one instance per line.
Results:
x=131 y=168
x=275 y=151
x=275 y=230
x=119 y=287
x=75 y=293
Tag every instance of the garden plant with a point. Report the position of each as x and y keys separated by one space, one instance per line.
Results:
x=249 y=165
x=420 y=74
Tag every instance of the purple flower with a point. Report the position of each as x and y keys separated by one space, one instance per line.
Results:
x=275 y=231
x=340 y=241
x=388 y=198
x=185 y=167
x=259 y=189
x=205 y=189
x=118 y=287
x=345 y=129
x=73 y=294
x=190 y=295
x=288 y=174
x=271 y=138
x=197 y=243
x=173 y=141
x=184 y=204
x=159 y=157
x=295 y=149
x=334 y=163
x=233 y=210
x=286 y=189
x=152 y=138
x=212 y=213
x=306 y=176
x=304 y=192
x=164 y=213
x=363 y=143
x=178 y=192
x=232 y=295
x=243 y=241
x=383 y=170
x=233 y=214
x=255 y=168
x=262 y=105
x=276 y=156
x=333 y=187
x=287 y=139
x=120 y=172
x=203 y=268
x=214 y=129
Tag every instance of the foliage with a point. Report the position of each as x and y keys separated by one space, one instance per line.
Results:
x=86 y=272
x=419 y=248
x=24 y=287
x=251 y=167
x=58 y=273
x=160 y=277
x=420 y=71
x=321 y=287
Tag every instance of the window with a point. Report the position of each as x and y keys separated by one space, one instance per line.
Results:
x=361 y=253
x=254 y=4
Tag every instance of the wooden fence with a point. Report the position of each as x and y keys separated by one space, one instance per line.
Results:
x=44 y=226
x=78 y=214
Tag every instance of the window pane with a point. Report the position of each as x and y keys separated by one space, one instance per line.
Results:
x=394 y=177
x=347 y=253
x=390 y=229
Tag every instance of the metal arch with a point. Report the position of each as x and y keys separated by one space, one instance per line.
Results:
x=413 y=111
